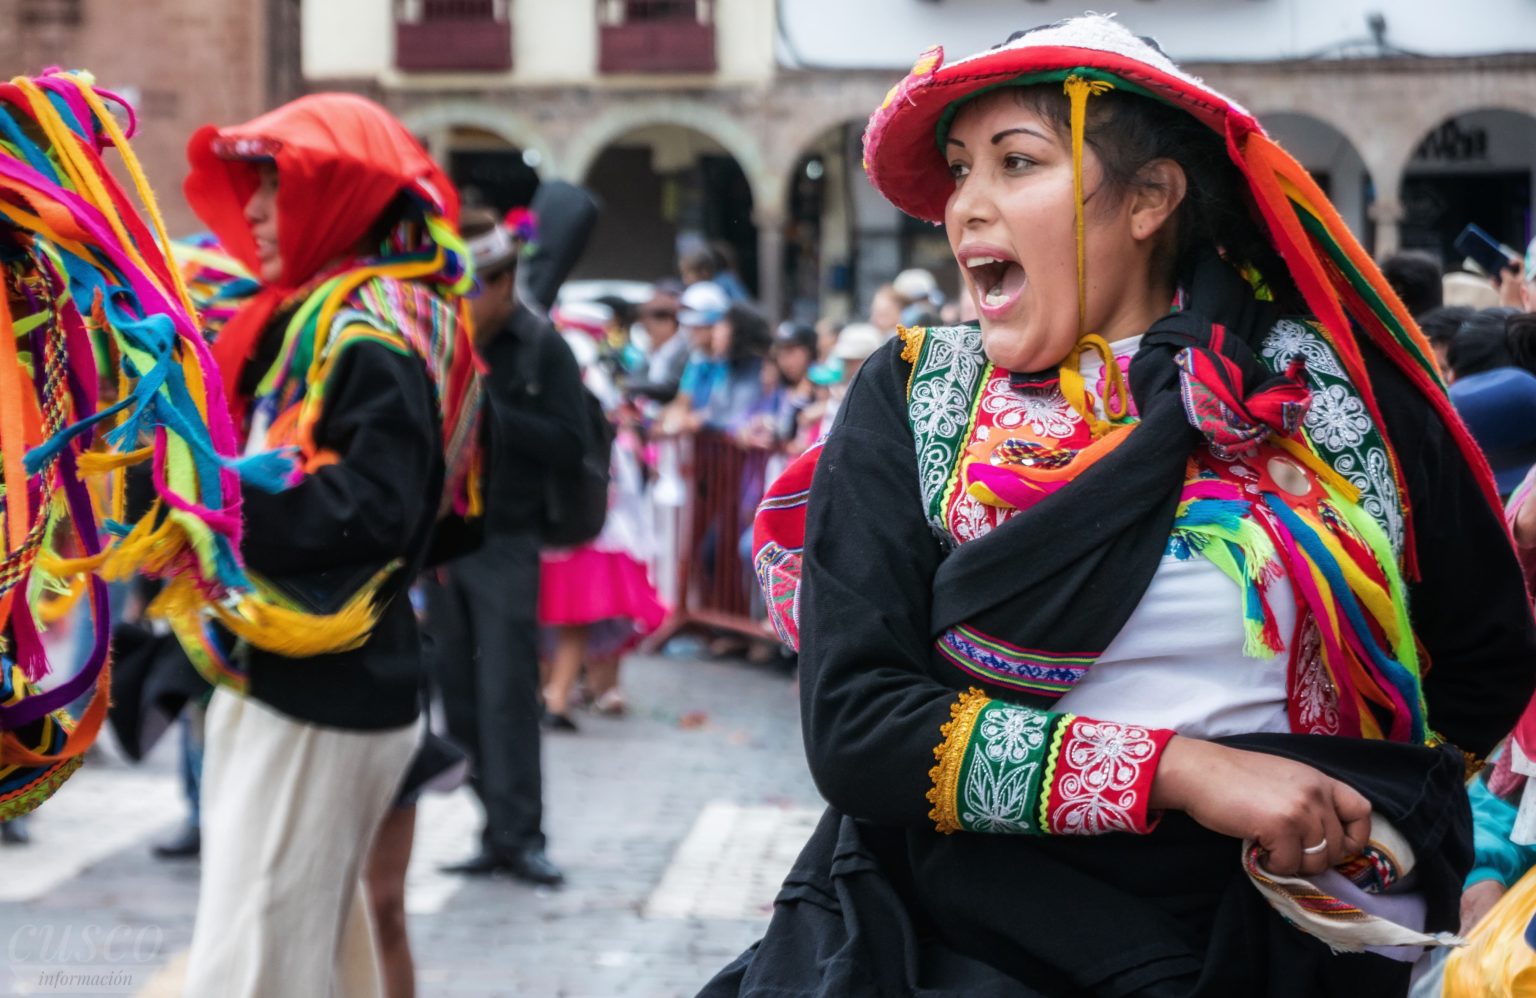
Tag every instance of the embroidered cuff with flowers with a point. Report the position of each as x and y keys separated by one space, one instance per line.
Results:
x=1012 y=769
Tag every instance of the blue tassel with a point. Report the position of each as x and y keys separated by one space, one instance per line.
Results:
x=270 y=471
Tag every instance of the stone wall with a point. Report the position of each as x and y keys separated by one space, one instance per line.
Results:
x=185 y=62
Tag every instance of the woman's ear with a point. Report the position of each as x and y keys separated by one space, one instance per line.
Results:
x=1160 y=189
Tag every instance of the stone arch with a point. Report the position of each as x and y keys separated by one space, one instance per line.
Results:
x=1430 y=114
x=1477 y=164
x=509 y=125
x=614 y=123
x=849 y=106
x=1326 y=149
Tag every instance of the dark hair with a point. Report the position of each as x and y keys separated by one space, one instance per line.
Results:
x=623 y=309
x=1415 y=276
x=1440 y=324
x=797 y=334
x=750 y=335
x=1482 y=343
x=1520 y=331
x=402 y=210
x=700 y=261
x=1127 y=131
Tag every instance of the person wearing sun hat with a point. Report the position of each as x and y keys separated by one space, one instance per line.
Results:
x=1110 y=672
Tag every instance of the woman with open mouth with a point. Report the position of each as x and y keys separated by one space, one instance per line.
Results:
x=1138 y=652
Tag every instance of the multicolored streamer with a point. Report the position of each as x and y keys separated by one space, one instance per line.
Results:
x=102 y=367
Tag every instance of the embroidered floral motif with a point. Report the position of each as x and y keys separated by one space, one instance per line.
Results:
x=1290 y=338
x=950 y=365
x=1002 y=774
x=1338 y=419
x=997 y=798
x=1043 y=413
x=1370 y=471
x=1316 y=701
x=1011 y=734
x=1102 y=778
x=970 y=518
x=1339 y=425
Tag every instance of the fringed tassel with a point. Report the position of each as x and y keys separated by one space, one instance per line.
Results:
x=1222 y=532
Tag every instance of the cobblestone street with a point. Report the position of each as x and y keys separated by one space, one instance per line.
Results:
x=674 y=826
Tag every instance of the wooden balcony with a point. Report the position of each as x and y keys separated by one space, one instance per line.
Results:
x=657 y=36
x=455 y=36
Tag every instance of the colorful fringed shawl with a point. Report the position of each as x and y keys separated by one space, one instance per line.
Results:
x=89 y=292
x=344 y=162
x=387 y=301
x=1347 y=540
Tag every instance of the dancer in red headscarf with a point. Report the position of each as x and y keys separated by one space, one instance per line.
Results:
x=353 y=352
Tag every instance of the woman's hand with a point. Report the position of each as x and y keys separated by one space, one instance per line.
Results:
x=1284 y=806
x=1507 y=284
x=1476 y=902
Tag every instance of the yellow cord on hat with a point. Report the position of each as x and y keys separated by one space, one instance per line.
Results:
x=1116 y=401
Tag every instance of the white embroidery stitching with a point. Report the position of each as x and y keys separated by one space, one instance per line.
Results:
x=1098 y=793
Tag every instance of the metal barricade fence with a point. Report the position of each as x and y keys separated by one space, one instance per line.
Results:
x=706 y=494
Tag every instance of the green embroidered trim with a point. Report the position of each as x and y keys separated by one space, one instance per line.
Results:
x=952 y=483
x=1004 y=776
x=1339 y=426
x=27 y=799
x=946 y=377
x=1043 y=814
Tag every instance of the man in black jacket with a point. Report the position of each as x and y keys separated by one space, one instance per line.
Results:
x=482 y=608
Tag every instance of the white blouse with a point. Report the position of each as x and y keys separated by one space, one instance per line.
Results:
x=1178 y=662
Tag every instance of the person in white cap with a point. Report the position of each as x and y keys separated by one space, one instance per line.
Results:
x=482 y=607
x=703 y=305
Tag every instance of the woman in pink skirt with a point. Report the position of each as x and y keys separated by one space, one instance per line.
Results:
x=596 y=601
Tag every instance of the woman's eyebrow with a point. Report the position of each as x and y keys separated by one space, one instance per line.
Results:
x=954 y=141
x=1021 y=130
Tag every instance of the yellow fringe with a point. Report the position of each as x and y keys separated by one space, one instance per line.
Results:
x=296 y=634
x=278 y=629
x=57 y=608
x=100 y=462
x=955 y=735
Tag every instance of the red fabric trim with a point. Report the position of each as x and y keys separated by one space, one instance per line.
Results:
x=900 y=154
x=1101 y=779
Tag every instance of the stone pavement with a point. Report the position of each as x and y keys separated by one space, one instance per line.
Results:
x=674 y=826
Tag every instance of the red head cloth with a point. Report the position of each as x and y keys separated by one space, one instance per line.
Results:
x=341 y=159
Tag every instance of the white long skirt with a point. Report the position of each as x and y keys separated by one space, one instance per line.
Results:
x=290 y=811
